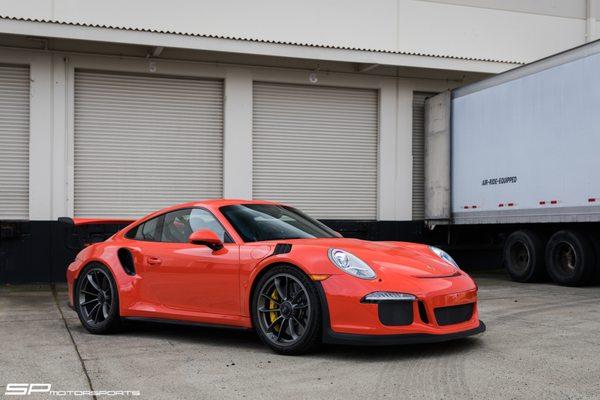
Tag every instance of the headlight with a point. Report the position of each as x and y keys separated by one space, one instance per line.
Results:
x=444 y=256
x=350 y=264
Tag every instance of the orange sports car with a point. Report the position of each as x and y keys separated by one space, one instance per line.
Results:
x=269 y=267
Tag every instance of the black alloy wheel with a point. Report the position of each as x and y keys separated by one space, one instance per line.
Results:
x=286 y=311
x=96 y=299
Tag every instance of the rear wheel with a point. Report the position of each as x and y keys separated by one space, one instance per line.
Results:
x=286 y=311
x=524 y=256
x=97 y=300
x=570 y=258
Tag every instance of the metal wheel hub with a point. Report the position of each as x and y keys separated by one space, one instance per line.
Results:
x=519 y=254
x=286 y=309
x=566 y=257
x=101 y=297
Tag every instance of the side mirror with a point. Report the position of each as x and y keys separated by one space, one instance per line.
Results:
x=207 y=238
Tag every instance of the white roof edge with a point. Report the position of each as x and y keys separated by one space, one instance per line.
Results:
x=53 y=29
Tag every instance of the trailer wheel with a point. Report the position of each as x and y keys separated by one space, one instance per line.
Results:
x=570 y=258
x=524 y=256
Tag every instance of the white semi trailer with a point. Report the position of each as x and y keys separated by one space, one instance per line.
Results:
x=515 y=160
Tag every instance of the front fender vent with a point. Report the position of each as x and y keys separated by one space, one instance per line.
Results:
x=126 y=259
x=282 y=248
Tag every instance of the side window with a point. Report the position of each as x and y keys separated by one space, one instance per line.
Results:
x=147 y=231
x=178 y=225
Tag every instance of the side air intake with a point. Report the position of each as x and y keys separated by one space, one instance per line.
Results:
x=126 y=259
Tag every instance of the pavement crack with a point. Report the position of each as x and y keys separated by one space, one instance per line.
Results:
x=62 y=316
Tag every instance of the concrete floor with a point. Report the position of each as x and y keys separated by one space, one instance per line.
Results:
x=543 y=341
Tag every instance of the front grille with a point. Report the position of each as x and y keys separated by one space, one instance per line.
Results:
x=395 y=313
x=454 y=314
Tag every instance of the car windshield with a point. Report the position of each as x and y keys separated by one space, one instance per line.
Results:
x=257 y=222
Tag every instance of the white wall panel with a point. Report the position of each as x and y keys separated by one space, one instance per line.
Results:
x=518 y=31
x=462 y=31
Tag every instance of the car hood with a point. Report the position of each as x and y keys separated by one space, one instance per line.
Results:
x=410 y=259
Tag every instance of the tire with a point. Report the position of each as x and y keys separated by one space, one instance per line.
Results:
x=523 y=256
x=570 y=258
x=98 y=310
x=595 y=238
x=294 y=326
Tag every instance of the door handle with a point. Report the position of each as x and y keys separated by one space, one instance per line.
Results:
x=154 y=261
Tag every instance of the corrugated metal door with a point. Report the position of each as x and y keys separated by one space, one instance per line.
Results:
x=145 y=142
x=316 y=148
x=14 y=142
x=418 y=154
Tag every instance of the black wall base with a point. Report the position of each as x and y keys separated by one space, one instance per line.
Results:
x=40 y=251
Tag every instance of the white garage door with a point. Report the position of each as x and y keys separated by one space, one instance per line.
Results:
x=316 y=148
x=14 y=142
x=145 y=142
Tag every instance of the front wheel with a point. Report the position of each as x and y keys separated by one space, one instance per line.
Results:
x=97 y=299
x=286 y=312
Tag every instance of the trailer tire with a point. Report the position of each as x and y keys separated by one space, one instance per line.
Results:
x=524 y=256
x=570 y=258
x=595 y=238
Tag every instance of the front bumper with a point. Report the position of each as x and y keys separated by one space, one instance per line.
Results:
x=347 y=320
x=386 y=340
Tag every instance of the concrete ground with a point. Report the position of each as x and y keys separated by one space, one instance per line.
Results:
x=543 y=341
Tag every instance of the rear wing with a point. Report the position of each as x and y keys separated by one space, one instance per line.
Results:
x=95 y=221
x=81 y=232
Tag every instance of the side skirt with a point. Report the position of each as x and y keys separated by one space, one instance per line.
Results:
x=185 y=323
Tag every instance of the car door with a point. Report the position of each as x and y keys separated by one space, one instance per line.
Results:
x=190 y=279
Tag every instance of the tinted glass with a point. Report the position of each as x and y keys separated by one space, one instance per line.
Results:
x=147 y=231
x=178 y=225
x=256 y=222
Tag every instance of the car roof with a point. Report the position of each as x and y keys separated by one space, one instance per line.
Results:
x=212 y=204
x=223 y=202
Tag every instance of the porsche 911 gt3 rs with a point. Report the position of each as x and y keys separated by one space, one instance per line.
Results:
x=269 y=267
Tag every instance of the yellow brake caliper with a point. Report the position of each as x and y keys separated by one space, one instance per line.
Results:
x=273 y=306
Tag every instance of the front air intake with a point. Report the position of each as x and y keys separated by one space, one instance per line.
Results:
x=454 y=314
x=395 y=313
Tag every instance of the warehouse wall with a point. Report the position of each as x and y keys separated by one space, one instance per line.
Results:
x=520 y=31
x=52 y=117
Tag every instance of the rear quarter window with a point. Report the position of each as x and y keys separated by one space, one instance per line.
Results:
x=148 y=231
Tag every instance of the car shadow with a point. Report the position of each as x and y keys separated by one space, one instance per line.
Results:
x=190 y=334
x=248 y=340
